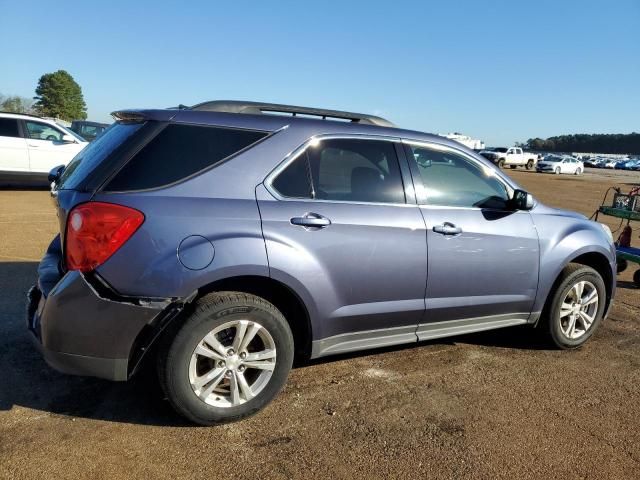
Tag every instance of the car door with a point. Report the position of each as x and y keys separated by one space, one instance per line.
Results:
x=46 y=147
x=482 y=256
x=338 y=226
x=14 y=155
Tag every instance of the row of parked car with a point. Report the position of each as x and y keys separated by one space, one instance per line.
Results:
x=616 y=163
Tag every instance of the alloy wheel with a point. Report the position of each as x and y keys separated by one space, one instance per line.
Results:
x=232 y=363
x=578 y=310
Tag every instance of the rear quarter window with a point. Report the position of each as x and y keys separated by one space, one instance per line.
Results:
x=93 y=155
x=178 y=152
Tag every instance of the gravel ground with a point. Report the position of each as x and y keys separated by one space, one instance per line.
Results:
x=492 y=405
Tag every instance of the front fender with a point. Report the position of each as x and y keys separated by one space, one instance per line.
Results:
x=562 y=240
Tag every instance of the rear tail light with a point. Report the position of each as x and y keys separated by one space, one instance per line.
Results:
x=95 y=230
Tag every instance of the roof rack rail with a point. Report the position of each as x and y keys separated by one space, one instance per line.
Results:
x=257 y=108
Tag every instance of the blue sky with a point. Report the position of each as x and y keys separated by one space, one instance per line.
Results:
x=502 y=71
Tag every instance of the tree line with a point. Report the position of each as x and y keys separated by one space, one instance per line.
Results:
x=58 y=95
x=598 y=143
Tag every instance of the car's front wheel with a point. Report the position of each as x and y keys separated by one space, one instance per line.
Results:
x=228 y=360
x=576 y=306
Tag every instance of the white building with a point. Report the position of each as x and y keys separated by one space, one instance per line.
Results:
x=465 y=140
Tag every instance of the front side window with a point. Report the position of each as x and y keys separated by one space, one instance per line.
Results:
x=42 y=131
x=9 y=127
x=346 y=170
x=450 y=179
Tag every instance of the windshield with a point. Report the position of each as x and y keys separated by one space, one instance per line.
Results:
x=553 y=158
x=95 y=153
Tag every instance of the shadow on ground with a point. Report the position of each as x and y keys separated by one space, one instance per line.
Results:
x=29 y=382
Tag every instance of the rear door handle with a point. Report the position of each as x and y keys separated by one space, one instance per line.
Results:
x=447 y=228
x=311 y=220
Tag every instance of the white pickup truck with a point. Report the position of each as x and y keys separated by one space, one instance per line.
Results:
x=511 y=157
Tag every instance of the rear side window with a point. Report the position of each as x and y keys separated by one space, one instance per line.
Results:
x=295 y=180
x=347 y=170
x=9 y=127
x=179 y=151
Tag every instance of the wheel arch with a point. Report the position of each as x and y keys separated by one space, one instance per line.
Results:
x=600 y=264
x=590 y=258
x=280 y=295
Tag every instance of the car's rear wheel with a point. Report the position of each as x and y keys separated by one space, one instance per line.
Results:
x=578 y=171
x=229 y=359
x=529 y=164
x=557 y=170
x=576 y=306
x=501 y=163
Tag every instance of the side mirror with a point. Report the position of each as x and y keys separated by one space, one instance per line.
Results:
x=55 y=173
x=66 y=138
x=522 y=200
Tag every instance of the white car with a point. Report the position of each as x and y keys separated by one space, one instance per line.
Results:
x=560 y=164
x=30 y=147
x=611 y=163
x=510 y=157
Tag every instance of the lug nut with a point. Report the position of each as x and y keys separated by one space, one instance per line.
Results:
x=230 y=352
x=241 y=368
x=243 y=355
x=221 y=364
x=228 y=374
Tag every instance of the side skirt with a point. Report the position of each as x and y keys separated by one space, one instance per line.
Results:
x=351 y=342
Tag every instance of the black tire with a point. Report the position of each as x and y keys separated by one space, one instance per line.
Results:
x=622 y=265
x=212 y=311
x=529 y=165
x=501 y=163
x=551 y=323
x=636 y=277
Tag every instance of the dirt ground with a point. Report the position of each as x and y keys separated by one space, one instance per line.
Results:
x=495 y=405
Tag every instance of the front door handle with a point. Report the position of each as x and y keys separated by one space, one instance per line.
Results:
x=311 y=220
x=447 y=228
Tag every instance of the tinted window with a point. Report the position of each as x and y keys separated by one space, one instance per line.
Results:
x=179 y=151
x=42 y=131
x=294 y=181
x=95 y=153
x=452 y=180
x=9 y=127
x=351 y=171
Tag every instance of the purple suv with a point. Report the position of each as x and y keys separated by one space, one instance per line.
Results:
x=226 y=239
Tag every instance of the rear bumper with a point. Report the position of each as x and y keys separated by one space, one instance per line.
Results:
x=81 y=332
